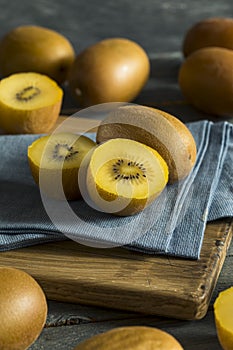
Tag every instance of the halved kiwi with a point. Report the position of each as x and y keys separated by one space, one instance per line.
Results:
x=223 y=309
x=29 y=103
x=55 y=161
x=157 y=129
x=125 y=176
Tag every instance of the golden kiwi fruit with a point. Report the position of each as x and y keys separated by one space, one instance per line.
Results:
x=223 y=310
x=31 y=48
x=54 y=162
x=23 y=309
x=206 y=80
x=125 y=176
x=112 y=70
x=30 y=103
x=157 y=129
x=215 y=32
x=131 y=338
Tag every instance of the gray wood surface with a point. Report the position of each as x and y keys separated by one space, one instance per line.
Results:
x=159 y=26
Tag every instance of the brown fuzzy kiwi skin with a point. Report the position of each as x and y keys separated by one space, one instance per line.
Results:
x=210 y=32
x=98 y=75
x=131 y=338
x=157 y=129
x=36 y=121
x=23 y=309
x=32 y=48
x=206 y=80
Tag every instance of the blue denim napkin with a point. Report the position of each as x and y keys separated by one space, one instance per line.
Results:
x=174 y=224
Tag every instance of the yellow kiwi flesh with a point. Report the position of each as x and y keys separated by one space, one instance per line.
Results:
x=112 y=70
x=23 y=309
x=158 y=130
x=32 y=48
x=125 y=176
x=223 y=310
x=29 y=103
x=55 y=160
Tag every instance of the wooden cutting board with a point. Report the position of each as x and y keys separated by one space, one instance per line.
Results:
x=127 y=280
x=123 y=279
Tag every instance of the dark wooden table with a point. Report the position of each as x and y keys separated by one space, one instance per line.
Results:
x=159 y=26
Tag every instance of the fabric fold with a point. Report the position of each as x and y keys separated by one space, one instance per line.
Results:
x=173 y=225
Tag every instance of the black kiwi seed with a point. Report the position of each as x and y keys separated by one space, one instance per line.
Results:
x=70 y=151
x=27 y=93
x=119 y=175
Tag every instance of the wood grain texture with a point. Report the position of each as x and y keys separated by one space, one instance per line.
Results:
x=193 y=335
x=118 y=278
x=68 y=324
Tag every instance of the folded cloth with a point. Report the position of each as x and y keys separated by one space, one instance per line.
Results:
x=173 y=225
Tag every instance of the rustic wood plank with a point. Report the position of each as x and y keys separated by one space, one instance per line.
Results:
x=118 y=278
x=67 y=313
x=61 y=314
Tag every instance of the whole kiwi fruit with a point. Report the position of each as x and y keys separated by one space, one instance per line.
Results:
x=32 y=48
x=210 y=32
x=206 y=80
x=112 y=70
x=131 y=338
x=23 y=309
x=157 y=129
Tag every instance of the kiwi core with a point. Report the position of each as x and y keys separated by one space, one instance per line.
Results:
x=128 y=170
x=28 y=93
x=64 y=151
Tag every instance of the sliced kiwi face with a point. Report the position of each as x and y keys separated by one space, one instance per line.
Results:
x=29 y=91
x=56 y=155
x=64 y=150
x=124 y=176
x=29 y=103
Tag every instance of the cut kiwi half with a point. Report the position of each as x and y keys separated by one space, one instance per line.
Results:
x=55 y=161
x=125 y=176
x=157 y=129
x=29 y=103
